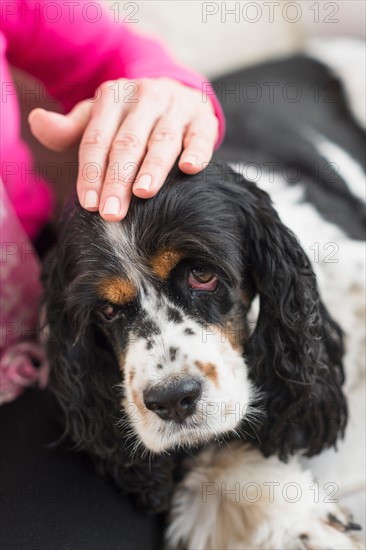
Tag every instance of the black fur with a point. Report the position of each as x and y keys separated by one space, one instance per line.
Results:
x=84 y=378
x=294 y=356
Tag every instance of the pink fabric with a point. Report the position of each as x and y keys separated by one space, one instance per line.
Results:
x=71 y=47
x=29 y=194
x=22 y=359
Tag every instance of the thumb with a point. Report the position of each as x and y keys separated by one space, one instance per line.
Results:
x=59 y=132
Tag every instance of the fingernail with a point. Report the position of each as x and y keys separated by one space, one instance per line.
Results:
x=112 y=206
x=190 y=160
x=144 y=182
x=91 y=199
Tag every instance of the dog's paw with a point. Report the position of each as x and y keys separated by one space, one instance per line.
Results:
x=219 y=518
x=334 y=531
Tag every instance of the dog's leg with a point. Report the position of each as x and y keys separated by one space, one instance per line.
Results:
x=237 y=499
x=148 y=483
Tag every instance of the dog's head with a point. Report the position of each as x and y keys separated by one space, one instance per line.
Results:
x=150 y=314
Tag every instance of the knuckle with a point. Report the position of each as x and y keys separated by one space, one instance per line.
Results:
x=106 y=86
x=154 y=161
x=127 y=141
x=154 y=92
x=130 y=91
x=181 y=105
x=164 y=134
x=144 y=84
x=142 y=87
x=95 y=138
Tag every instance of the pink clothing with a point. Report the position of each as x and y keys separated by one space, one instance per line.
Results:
x=22 y=358
x=71 y=47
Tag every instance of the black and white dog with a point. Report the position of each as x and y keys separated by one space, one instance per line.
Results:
x=215 y=323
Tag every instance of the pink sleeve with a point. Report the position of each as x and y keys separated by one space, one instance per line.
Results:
x=72 y=50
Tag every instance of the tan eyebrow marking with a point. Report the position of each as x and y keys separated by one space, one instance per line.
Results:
x=164 y=261
x=208 y=369
x=117 y=290
x=232 y=334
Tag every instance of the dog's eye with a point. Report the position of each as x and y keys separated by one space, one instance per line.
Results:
x=200 y=279
x=109 y=312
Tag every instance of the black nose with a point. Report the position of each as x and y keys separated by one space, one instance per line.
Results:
x=175 y=401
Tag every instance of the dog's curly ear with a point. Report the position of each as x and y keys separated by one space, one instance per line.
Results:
x=83 y=371
x=86 y=382
x=295 y=352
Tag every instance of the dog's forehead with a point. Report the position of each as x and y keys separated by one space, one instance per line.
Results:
x=156 y=235
x=120 y=239
x=133 y=261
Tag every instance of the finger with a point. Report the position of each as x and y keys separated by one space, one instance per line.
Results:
x=95 y=145
x=163 y=149
x=57 y=131
x=198 y=144
x=129 y=148
x=126 y=154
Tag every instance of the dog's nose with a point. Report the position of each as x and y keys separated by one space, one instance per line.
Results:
x=175 y=401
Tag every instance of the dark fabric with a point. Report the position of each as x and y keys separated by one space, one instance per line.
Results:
x=52 y=498
x=275 y=113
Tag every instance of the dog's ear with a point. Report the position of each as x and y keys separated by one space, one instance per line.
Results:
x=295 y=352
x=86 y=381
x=84 y=371
x=84 y=375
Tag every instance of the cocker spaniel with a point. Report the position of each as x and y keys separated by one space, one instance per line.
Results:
x=194 y=357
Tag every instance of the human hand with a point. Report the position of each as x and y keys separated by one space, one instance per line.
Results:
x=130 y=136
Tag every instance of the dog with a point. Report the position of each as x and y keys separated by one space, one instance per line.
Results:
x=197 y=350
